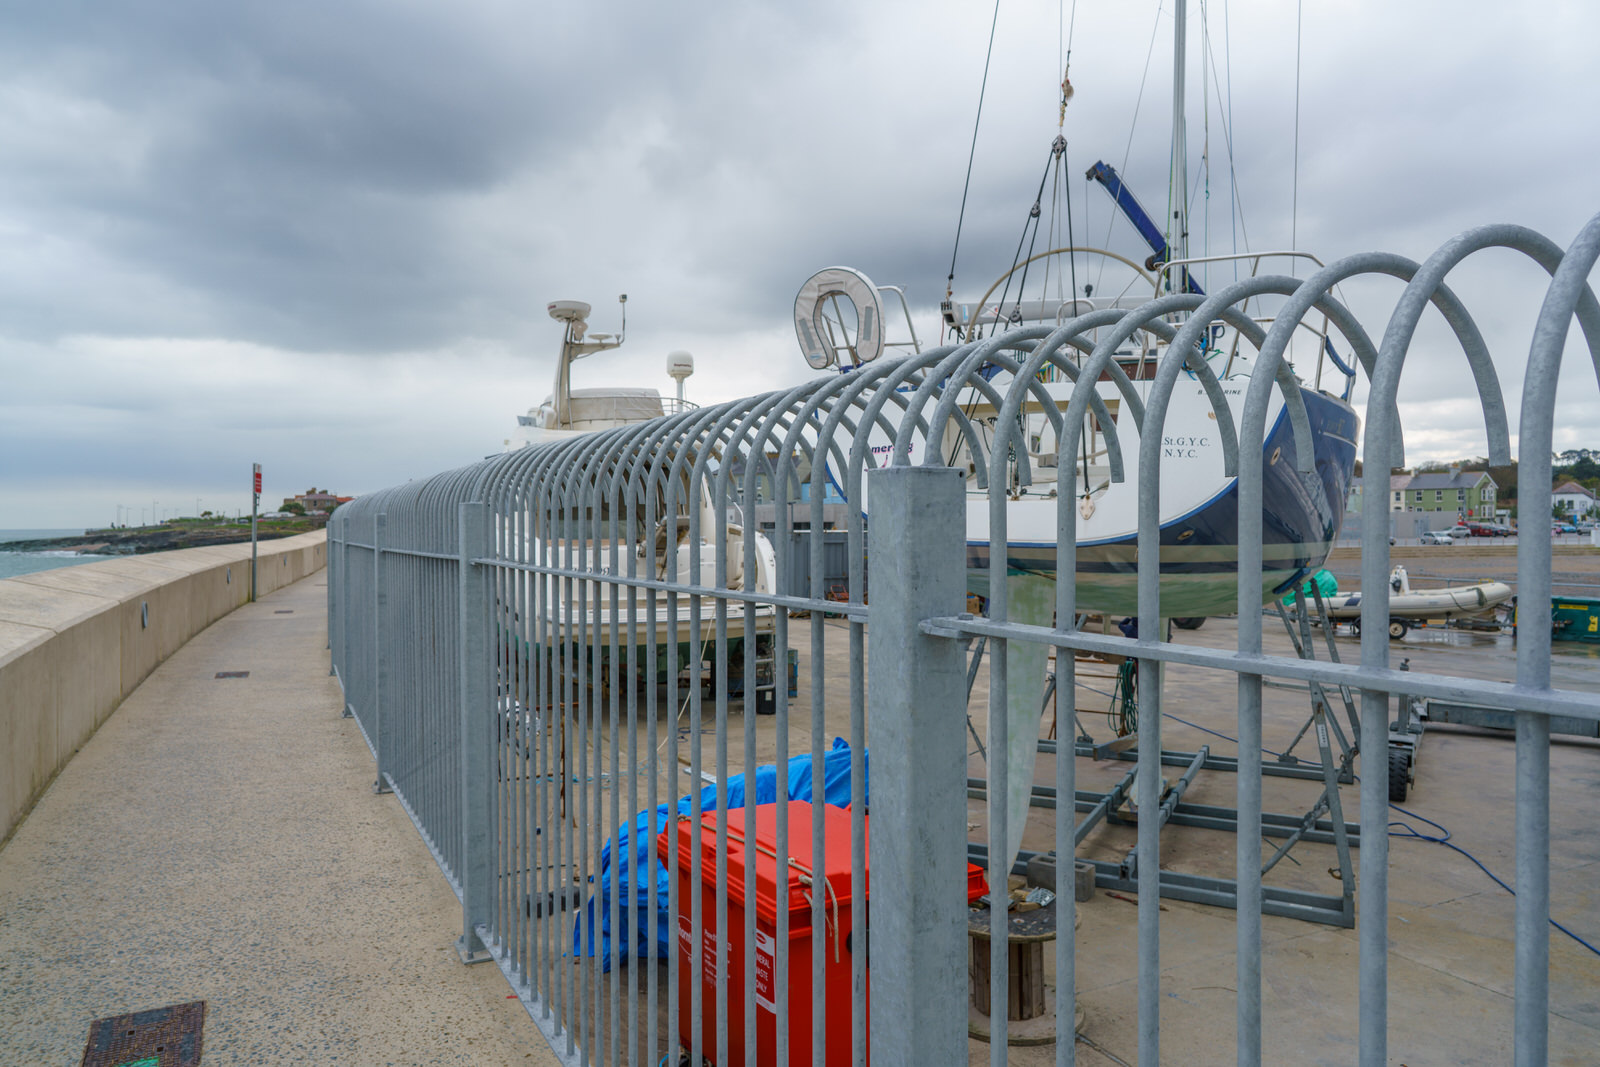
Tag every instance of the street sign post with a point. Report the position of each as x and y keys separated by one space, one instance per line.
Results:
x=255 y=504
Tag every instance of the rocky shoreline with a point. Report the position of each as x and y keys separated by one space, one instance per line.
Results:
x=153 y=539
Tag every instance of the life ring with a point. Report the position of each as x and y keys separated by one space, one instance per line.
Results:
x=855 y=287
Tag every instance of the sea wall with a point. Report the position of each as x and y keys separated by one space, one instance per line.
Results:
x=76 y=640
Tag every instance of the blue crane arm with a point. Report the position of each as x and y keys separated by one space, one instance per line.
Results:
x=1123 y=197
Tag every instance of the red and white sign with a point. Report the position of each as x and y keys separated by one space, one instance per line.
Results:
x=766 y=951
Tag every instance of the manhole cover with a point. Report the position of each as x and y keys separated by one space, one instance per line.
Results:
x=161 y=1037
x=233 y=674
x=284 y=611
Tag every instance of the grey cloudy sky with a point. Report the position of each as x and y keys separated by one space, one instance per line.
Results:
x=321 y=235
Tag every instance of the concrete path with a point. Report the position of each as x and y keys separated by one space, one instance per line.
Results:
x=218 y=840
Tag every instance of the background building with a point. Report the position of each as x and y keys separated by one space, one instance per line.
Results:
x=1465 y=494
x=1570 y=498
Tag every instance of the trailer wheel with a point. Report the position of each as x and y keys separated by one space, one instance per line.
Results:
x=1398 y=629
x=1189 y=624
x=1399 y=774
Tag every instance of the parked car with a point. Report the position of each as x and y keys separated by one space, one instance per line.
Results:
x=1563 y=528
x=1437 y=537
x=1459 y=530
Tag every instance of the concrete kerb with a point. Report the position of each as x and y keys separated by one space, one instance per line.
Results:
x=75 y=641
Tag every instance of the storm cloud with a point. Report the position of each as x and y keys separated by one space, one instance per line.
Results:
x=320 y=236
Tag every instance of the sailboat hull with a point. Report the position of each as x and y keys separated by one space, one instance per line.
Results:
x=1301 y=516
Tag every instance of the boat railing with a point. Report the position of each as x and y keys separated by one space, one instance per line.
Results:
x=911 y=341
x=1319 y=329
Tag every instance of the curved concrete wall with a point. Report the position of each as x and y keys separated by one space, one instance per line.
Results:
x=75 y=641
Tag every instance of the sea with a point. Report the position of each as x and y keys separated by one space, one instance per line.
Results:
x=13 y=564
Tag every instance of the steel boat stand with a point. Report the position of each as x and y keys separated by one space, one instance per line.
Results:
x=1323 y=823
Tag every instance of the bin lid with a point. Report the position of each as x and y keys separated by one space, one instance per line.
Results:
x=797 y=893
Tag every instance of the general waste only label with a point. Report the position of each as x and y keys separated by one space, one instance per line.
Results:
x=766 y=951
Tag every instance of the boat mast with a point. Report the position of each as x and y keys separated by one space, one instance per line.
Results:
x=1177 y=189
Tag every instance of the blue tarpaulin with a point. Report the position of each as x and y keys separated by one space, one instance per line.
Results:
x=637 y=900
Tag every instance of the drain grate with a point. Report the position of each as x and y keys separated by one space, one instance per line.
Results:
x=233 y=674
x=161 y=1037
x=284 y=611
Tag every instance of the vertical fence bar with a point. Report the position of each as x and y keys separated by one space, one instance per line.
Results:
x=657 y=926
x=1373 y=892
x=916 y=720
x=819 y=692
x=1532 y=1015
x=334 y=604
x=346 y=611
x=475 y=715
x=1247 y=841
x=614 y=682
x=380 y=654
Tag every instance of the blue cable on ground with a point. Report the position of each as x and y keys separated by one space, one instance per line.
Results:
x=1410 y=831
x=1213 y=733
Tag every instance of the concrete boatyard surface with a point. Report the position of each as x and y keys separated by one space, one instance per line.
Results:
x=1451 y=929
x=218 y=840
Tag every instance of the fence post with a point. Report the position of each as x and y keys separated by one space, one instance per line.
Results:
x=477 y=719
x=916 y=722
x=380 y=653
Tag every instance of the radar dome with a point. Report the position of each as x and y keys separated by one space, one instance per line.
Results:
x=568 y=310
x=680 y=365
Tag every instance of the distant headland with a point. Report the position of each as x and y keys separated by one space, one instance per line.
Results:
x=180 y=533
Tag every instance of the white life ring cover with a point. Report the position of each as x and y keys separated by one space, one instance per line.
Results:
x=808 y=306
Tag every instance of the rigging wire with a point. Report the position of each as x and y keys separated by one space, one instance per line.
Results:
x=1072 y=257
x=1294 y=211
x=1072 y=265
x=1030 y=233
x=972 y=153
x=1133 y=124
x=1235 y=204
x=1030 y=237
x=1205 y=134
x=1227 y=136
x=1061 y=180
x=1053 y=237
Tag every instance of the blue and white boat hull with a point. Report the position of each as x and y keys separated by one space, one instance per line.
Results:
x=1301 y=517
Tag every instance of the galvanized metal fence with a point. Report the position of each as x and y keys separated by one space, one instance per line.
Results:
x=541 y=647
